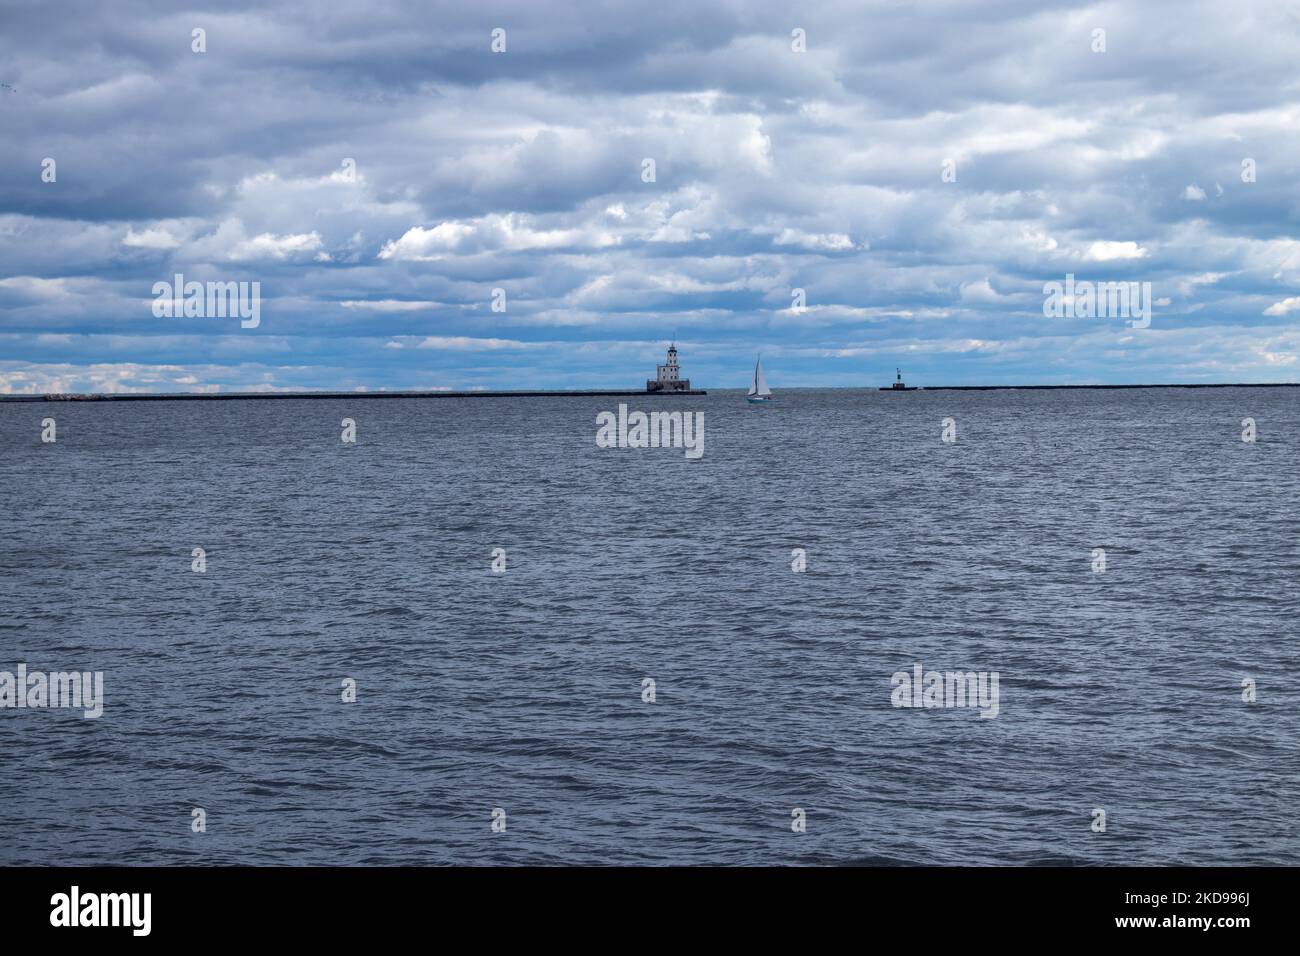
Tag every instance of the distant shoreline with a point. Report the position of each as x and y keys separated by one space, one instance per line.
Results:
x=560 y=393
x=241 y=396
x=999 y=388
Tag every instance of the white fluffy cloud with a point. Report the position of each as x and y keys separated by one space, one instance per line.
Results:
x=1285 y=307
x=513 y=233
x=1103 y=251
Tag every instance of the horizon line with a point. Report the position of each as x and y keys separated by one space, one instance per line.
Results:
x=576 y=393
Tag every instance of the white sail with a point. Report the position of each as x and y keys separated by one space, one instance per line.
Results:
x=759 y=385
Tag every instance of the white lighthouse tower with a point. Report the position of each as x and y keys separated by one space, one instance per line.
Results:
x=668 y=376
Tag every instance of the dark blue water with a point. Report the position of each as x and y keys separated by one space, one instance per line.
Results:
x=1118 y=690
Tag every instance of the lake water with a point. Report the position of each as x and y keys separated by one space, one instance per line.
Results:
x=1119 y=690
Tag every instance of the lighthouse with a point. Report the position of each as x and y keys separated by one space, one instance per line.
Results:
x=668 y=376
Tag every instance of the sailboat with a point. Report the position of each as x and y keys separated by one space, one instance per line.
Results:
x=758 y=390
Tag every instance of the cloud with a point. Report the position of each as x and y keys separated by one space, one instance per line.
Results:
x=35 y=288
x=979 y=292
x=151 y=239
x=230 y=242
x=467 y=344
x=1194 y=193
x=1102 y=251
x=1286 y=306
x=388 y=305
x=268 y=246
x=514 y=233
x=829 y=242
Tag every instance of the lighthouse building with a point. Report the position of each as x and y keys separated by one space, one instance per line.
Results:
x=668 y=376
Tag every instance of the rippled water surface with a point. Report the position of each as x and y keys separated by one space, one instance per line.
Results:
x=1119 y=690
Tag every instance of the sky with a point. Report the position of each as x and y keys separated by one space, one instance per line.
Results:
x=921 y=170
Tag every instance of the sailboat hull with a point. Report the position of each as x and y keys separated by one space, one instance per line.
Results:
x=759 y=399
